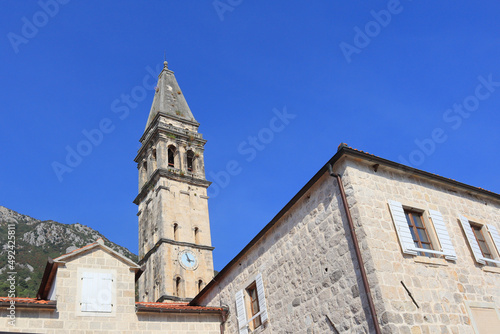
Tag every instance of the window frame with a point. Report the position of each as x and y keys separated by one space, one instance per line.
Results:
x=409 y=214
x=253 y=303
x=478 y=229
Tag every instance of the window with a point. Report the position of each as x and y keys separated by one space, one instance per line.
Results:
x=171 y=155
x=418 y=231
x=485 y=318
x=251 y=306
x=196 y=235
x=482 y=244
x=200 y=285
x=421 y=233
x=190 y=159
x=178 y=287
x=254 y=305
x=96 y=292
x=176 y=232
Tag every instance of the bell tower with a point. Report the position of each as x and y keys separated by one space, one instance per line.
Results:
x=174 y=229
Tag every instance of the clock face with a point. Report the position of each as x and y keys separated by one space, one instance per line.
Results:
x=188 y=260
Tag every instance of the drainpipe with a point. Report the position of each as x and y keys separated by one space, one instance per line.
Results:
x=223 y=319
x=358 y=251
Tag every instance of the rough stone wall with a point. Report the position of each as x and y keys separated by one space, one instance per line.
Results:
x=441 y=288
x=308 y=267
x=185 y=205
x=124 y=320
x=173 y=200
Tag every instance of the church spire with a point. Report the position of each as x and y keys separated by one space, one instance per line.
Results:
x=174 y=228
x=168 y=98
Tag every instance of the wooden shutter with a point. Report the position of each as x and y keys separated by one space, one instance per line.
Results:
x=443 y=236
x=241 y=312
x=89 y=287
x=97 y=289
x=104 y=293
x=494 y=236
x=476 y=251
x=402 y=228
x=262 y=298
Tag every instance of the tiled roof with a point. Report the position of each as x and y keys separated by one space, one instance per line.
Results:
x=25 y=300
x=29 y=303
x=76 y=250
x=180 y=307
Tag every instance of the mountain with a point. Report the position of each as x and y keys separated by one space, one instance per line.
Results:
x=37 y=240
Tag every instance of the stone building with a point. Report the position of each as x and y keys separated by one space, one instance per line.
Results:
x=92 y=290
x=366 y=246
x=367 y=238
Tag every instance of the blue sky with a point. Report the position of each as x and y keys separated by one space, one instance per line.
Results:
x=411 y=81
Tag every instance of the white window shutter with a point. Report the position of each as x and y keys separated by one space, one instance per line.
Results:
x=104 y=293
x=402 y=228
x=89 y=285
x=443 y=236
x=472 y=240
x=241 y=312
x=262 y=298
x=494 y=236
x=97 y=291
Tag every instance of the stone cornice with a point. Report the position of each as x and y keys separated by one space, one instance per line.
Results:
x=175 y=118
x=172 y=242
x=186 y=178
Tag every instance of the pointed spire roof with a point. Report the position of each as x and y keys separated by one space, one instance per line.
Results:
x=168 y=98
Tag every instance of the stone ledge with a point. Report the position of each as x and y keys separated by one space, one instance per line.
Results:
x=431 y=261
x=489 y=269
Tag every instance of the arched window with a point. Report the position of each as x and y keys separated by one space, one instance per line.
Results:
x=178 y=287
x=145 y=165
x=153 y=159
x=196 y=235
x=200 y=285
x=190 y=160
x=176 y=232
x=171 y=156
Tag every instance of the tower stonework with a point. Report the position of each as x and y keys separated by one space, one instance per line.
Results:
x=174 y=229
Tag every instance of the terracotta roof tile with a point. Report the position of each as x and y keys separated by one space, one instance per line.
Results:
x=75 y=250
x=25 y=300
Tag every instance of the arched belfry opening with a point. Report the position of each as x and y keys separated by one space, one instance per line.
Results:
x=171 y=156
x=190 y=161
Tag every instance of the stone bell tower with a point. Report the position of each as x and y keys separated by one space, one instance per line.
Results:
x=174 y=228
